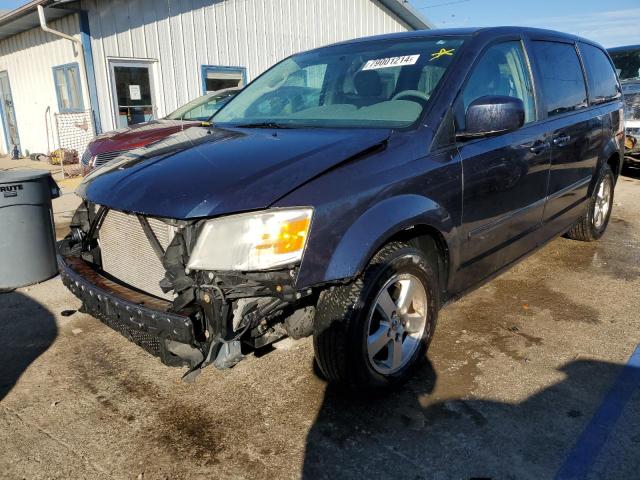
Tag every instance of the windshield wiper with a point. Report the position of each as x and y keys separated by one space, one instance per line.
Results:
x=262 y=125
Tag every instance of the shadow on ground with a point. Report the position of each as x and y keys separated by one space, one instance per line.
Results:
x=409 y=435
x=27 y=329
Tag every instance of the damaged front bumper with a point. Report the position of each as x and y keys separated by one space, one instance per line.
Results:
x=207 y=317
x=145 y=320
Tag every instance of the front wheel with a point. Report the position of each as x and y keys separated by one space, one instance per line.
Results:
x=595 y=220
x=374 y=331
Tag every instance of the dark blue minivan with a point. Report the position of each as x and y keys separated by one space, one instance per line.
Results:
x=348 y=193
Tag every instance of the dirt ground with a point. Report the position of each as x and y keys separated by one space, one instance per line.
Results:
x=523 y=378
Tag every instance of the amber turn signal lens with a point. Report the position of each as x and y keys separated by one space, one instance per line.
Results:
x=290 y=237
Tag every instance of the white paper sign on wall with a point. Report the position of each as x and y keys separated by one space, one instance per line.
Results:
x=134 y=92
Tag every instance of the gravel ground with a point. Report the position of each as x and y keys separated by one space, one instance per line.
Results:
x=515 y=373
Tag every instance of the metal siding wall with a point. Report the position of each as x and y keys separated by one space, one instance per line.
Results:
x=183 y=35
x=28 y=58
x=166 y=59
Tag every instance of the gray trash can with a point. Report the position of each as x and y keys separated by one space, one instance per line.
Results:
x=27 y=231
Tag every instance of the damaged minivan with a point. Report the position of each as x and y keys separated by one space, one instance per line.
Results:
x=348 y=193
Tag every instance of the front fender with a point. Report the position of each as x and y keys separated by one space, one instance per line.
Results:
x=372 y=229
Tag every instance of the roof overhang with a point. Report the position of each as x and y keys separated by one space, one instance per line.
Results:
x=26 y=17
x=408 y=14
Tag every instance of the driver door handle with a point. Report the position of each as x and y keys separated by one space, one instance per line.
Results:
x=562 y=140
x=539 y=147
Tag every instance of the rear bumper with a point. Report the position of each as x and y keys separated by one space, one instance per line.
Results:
x=145 y=320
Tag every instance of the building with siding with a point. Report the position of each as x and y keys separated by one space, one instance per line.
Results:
x=127 y=61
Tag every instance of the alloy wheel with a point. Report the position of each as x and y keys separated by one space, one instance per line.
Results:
x=603 y=202
x=396 y=323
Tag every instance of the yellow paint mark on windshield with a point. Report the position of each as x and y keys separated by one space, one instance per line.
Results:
x=441 y=53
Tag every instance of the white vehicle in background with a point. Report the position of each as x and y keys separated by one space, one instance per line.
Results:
x=627 y=62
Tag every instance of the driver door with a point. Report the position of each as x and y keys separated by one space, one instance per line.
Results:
x=505 y=176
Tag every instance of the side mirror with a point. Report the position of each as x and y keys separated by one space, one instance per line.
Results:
x=492 y=115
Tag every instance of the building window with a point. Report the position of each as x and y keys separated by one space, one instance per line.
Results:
x=216 y=78
x=68 y=88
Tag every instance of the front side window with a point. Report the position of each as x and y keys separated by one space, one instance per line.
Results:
x=627 y=62
x=370 y=84
x=68 y=88
x=603 y=84
x=502 y=70
x=562 y=77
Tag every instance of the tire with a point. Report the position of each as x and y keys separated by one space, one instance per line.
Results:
x=350 y=318
x=594 y=222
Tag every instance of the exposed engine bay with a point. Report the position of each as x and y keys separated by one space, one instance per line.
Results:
x=200 y=317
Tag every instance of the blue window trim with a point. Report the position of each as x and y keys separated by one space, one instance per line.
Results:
x=66 y=68
x=85 y=38
x=5 y=131
x=3 y=118
x=220 y=69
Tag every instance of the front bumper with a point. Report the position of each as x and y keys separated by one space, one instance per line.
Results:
x=145 y=320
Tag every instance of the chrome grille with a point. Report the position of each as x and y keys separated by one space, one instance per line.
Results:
x=128 y=256
x=102 y=158
x=86 y=158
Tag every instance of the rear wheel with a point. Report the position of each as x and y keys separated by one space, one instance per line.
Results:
x=374 y=331
x=595 y=220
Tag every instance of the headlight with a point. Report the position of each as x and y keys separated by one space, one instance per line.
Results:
x=252 y=241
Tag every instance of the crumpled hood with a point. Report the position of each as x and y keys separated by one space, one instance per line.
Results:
x=204 y=172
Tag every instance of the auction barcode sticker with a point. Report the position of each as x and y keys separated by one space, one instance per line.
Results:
x=391 y=62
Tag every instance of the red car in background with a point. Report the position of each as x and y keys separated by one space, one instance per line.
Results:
x=108 y=146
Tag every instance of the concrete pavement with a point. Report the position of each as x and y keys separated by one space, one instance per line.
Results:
x=514 y=376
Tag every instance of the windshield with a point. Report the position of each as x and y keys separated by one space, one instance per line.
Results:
x=627 y=63
x=370 y=84
x=202 y=108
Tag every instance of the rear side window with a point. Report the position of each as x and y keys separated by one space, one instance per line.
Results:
x=601 y=77
x=562 y=78
x=502 y=70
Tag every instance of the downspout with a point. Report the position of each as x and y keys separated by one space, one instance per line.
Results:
x=76 y=42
